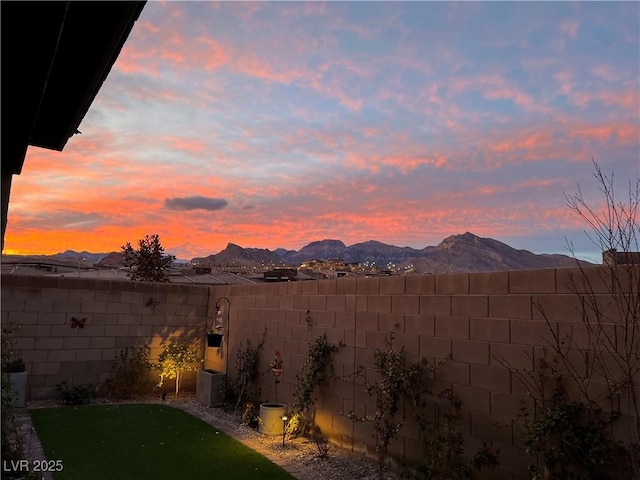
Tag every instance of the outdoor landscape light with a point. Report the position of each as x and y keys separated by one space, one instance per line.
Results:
x=284 y=419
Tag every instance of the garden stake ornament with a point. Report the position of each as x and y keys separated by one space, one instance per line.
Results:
x=276 y=368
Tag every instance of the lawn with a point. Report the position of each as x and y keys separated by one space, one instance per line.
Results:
x=140 y=442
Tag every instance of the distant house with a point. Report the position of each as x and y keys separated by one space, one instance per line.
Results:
x=614 y=257
x=280 y=275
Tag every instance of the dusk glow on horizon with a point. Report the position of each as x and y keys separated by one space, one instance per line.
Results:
x=274 y=124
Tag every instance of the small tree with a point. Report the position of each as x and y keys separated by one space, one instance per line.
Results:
x=177 y=358
x=147 y=263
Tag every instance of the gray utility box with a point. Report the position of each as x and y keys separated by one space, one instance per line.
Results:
x=18 y=388
x=210 y=388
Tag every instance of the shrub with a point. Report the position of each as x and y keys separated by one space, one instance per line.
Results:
x=247 y=363
x=399 y=384
x=15 y=366
x=443 y=444
x=572 y=434
x=395 y=381
x=317 y=369
x=250 y=415
x=75 y=394
x=131 y=372
x=572 y=439
x=13 y=445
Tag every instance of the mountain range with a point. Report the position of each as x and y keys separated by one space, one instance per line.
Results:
x=457 y=253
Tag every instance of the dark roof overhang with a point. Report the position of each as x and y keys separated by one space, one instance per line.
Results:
x=54 y=58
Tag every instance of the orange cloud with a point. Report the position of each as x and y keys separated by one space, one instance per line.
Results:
x=194 y=146
x=622 y=132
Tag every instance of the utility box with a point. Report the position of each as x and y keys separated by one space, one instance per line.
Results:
x=210 y=388
x=18 y=388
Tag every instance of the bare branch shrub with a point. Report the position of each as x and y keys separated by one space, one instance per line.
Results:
x=609 y=349
x=592 y=382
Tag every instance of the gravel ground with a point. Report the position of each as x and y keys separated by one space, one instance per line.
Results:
x=299 y=456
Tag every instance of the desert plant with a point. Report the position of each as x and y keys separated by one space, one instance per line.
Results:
x=177 y=358
x=75 y=394
x=147 y=263
x=131 y=369
x=317 y=369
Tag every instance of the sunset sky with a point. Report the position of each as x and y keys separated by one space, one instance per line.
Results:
x=274 y=124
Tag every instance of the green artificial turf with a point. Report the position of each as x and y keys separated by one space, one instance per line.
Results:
x=140 y=442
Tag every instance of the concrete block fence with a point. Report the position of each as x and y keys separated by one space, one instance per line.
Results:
x=478 y=324
x=70 y=329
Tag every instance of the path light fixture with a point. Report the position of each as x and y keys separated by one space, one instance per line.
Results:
x=284 y=419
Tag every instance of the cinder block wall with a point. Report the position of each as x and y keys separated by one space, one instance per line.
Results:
x=115 y=314
x=480 y=324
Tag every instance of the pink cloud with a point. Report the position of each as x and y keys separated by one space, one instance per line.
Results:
x=211 y=53
x=570 y=28
x=620 y=132
x=523 y=141
x=628 y=98
x=606 y=72
x=250 y=64
x=370 y=132
x=194 y=146
x=494 y=87
x=174 y=51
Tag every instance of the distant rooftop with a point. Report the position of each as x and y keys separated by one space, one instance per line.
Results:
x=614 y=257
x=51 y=267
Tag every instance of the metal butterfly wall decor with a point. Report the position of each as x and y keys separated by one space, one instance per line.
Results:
x=78 y=323
x=151 y=303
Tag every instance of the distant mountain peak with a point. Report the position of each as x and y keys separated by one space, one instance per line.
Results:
x=465 y=252
x=84 y=255
x=235 y=255
x=326 y=241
